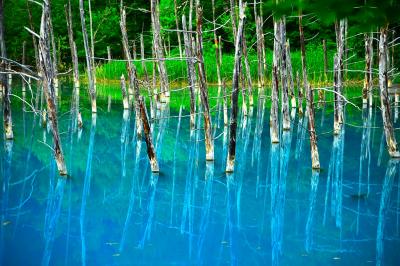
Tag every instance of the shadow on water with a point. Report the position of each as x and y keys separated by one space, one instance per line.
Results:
x=272 y=210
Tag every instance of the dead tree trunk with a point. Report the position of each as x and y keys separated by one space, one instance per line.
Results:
x=336 y=103
x=274 y=122
x=284 y=78
x=260 y=65
x=147 y=134
x=7 y=118
x=191 y=71
x=230 y=163
x=203 y=88
x=74 y=54
x=310 y=100
x=383 y=86
x=290 y=76
x=108 y=53
x=216 y=44
x=146 y=75
x=248 y=72
x=133 y=82
x=125 y=99
x=158 y=49
x=48 y=85
x=225 y=103
x=34 y=42
x=299 y=94
x=325 y=60
x=177 y=29
x=233 y=19
x=340 y=35
x=54 y=52
x=89 y=59
x=367 y=89
x=23 y=63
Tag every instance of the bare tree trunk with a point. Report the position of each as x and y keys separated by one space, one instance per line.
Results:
x=225 y=103
x=220 y=50
x=203 y=88
x=230 y=163
x=72 y=44
x=191 y=71
x=177 y=29
x=216 y=46
x=48 y=85
x=35 y=45
x=385 y=105
x=336 y=69
x=300 y=94
x=274 y=122
x=146 y=75
x=108 y=53
x=368 y=69
x=147 y=133
x=7 y=117
x=325 y=60
x=23 y=63
x=340 y=35
x=248 y=72
x=233 y=19
x=284 y=78
x=157 y=43
x=133 y=82
x=125 y=99
x=89 y=59
x=290 y=76
x=54 y=52
x=310 y=100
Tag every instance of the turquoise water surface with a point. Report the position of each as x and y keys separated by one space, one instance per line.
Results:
x=272 y=211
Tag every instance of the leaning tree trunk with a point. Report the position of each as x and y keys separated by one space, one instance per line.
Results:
x=133 y=82
x=274 y=123
x=47 y=69
x=310 y=100
x=89 y=59
x=383 y=86
x=72 y=45
x=230 y=163
x=203 y=88
x=191 y=71
x=125 y=99
x=158 y=49
x=147 y=133
x=7 y=118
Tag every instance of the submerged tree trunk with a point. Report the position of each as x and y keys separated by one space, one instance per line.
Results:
x=72 y=44
x=7 y=118
x=157 y=44
x=48 y=85
x=125 y=99
x=383 y=85
x=230 y=163
x=310 y=100
x=147 y=133
x=191 y=71
x=89 y=59
x=203 y=88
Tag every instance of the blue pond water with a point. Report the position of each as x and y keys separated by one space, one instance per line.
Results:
x=272 y=211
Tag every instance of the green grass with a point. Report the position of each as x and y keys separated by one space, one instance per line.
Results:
x=177 y=69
